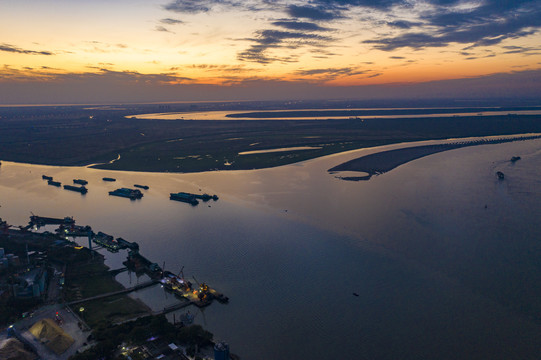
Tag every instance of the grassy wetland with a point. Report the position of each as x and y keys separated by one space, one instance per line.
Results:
x=106 y=139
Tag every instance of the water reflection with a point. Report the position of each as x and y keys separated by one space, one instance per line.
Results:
x=432 y=266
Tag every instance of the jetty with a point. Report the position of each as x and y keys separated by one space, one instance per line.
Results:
x=113 y=293
x=200 y=294
x=36 y=220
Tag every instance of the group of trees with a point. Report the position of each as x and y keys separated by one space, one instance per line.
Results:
x=137 y=332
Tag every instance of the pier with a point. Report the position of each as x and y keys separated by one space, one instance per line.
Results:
x=200 y=296
x=113 y=293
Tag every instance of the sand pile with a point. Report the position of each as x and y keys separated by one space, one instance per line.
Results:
x=13 y=349
x=52 y=336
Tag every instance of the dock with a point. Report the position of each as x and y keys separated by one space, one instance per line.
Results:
x=113 y=293
x=200 y=295
x=42 y=221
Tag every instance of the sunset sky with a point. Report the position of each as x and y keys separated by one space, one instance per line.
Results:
x=135 y=50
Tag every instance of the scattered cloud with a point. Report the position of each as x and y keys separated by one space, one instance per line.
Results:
x=349 y=71
x=170 y=21
x=198 y=6
x=161 y=28
x=479 y=24
x=277 y=39
x=402 y=24
x=299 y=25
x=314 y=13
x=18 y=50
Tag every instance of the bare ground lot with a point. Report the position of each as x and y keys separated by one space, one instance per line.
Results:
x=70 y=324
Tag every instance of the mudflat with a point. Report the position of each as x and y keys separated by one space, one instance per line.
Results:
x=384 y=161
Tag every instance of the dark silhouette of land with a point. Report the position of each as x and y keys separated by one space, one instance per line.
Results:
x=384 y=161
x=78 y=135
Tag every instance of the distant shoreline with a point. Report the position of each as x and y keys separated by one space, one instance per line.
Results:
x=381 y=162
x=90 y=137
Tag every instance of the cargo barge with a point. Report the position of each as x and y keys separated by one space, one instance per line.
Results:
x=108 y=179
x=80 y=181
x=141 y=264
x=200 y=295
x=42 y=221
x=107 y=241
x=141 y=186
x=184 y=197
x=45 y=177
x=54 y=183
x=80 y=189
x=127 y=193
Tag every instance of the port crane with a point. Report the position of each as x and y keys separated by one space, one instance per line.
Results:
x=203 y=289
x=187 y=285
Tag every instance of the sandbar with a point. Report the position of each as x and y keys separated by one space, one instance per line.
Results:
x=385 y=161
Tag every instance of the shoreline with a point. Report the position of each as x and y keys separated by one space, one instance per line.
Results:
x=372 y=164
x=382 y=162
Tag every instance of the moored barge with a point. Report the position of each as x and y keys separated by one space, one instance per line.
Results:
x=54 y=183
x=80 y=181
x=80 y=189
x=184 y=197
x=127 y=193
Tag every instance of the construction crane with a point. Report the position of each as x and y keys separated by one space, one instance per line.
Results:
x=203 y=287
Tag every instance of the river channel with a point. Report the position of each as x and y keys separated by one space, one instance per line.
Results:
x=436 y=259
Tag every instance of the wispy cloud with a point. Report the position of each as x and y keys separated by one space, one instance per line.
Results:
x=162 y=29
x=315 y=13
x=199 y=6
x=18 y=50
x=276 y=39
x=479 y=24
x=170 y=21
x=299 y=25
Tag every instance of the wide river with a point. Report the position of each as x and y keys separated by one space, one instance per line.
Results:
x=444 y=257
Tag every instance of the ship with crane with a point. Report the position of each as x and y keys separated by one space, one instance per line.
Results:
x=200 y=295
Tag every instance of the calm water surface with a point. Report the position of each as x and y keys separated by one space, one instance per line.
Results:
x=444 y=257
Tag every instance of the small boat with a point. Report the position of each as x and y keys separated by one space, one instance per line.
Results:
x=206 y=197
x=187 y=318
x=515 y=158
x=54 y=183
x=109 y=179
x=45 y=177
x=80 y=189
x=355 y=294
x=80 y=181
x=500 y=175
x=141 y=186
